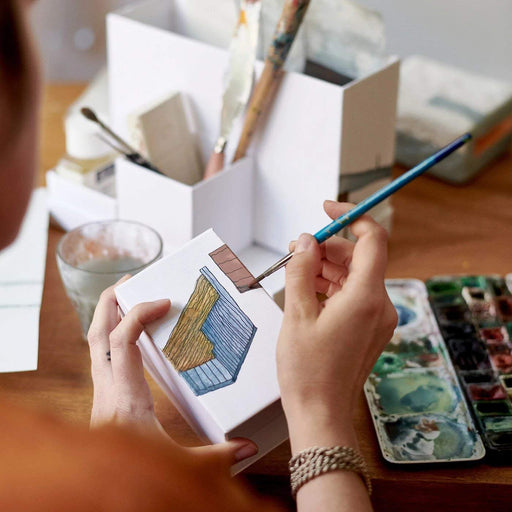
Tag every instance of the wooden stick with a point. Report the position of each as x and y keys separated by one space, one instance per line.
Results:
x=287 y=28
x=263 y=93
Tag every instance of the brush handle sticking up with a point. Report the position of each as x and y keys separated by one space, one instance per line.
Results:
x=287 y=28
x=238 y=78
x=123 y=147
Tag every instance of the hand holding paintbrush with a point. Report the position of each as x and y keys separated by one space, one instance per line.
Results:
x=344 y=220
x=287 y=28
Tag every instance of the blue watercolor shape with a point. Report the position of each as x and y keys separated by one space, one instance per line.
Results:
x=231 y=332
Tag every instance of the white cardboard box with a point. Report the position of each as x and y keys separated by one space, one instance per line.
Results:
x=73 y=204
x=179 y=212
x=314 y=131
x=241 y=399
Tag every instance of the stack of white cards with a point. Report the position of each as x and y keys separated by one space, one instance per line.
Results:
x=214 y=352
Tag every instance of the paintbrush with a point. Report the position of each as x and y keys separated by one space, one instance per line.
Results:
x=123 y=147
x=287 y=27
x=347 y=218
x=237 y=79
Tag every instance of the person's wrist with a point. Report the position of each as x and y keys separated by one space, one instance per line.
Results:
x=318 y=427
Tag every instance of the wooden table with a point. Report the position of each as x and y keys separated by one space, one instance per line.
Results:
x=437 y=229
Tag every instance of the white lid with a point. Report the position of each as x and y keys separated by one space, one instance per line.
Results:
x=82 y=139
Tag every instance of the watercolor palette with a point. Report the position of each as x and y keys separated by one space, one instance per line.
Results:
x=474 y=314
x=418 y=409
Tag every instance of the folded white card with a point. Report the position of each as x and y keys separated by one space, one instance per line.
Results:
x=214 y=352
x=22 y=266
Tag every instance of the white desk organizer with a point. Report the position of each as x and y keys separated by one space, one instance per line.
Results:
x=314 y=132
x=180 y=212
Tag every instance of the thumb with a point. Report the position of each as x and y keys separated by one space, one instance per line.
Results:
x=301 y=273
x=233 y=451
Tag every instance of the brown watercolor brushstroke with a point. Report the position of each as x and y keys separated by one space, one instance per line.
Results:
x=233 y=268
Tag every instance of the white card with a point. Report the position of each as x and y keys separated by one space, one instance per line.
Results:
x=238 y=378
x=22 y=266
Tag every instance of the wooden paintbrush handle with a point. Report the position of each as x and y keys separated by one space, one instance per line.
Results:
x=263 y=92
x=287 y=28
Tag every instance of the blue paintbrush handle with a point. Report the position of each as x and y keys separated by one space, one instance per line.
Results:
x=356 y=212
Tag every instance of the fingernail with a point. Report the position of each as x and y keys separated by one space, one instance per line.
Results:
x=246 y=451
x=330 y=201
x=161 y=302
x=304 y=243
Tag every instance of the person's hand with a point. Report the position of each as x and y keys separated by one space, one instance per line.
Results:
x=121 y=392
x=327 y=348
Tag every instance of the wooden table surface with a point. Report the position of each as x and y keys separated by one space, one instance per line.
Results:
x=437 y=229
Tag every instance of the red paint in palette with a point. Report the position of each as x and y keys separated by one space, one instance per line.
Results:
x=504 y=306
x=502 y=362
x=492 y=392
x=496 y=334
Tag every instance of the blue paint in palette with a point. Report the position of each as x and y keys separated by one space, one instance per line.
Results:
x=417 y=405
x=435 y=437
x=405 y=315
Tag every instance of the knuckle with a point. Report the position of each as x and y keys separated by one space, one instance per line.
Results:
x=296 y=311
x=116 y=341
x=138 y=311
x=94 y=336
x=380 y=233
x=106 y=293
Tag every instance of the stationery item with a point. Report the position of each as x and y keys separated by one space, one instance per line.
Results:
x=474 y=314
x=22 y=267
x=238 y=78
x=128 y=151
x=162 y=132
x=287 y=27
x=344 y=220
x=416 y=403
x=88 y=160
x=72 y=204
x=357 y=121
x=214 y=352
x=436 y=101
x=94 y=256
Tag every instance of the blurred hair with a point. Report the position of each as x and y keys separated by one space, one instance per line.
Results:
x=14 y=75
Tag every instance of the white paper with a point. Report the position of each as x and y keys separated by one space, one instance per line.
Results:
x=72 y=204
x=175 y=277
x=22 y=267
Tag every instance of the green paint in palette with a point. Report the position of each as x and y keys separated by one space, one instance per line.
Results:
x=415 y=392
x=430 y=437
x=417 y=407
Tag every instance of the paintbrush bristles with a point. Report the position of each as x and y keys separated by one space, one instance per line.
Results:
x=89 y=114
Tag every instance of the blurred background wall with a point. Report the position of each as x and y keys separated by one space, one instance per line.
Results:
x=71 y=36
x=472 y=34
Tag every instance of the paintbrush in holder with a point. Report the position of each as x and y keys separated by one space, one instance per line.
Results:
x=287 y=28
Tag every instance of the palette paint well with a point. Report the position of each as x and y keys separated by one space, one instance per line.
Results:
x=480 y=346
x=415 y=392
x=432 y=437
x=417 y=406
